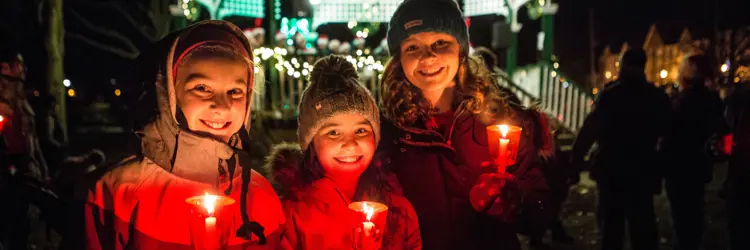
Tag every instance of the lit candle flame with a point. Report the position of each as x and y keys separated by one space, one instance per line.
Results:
x=504 y=130
x=368 y=211
x=209 y=202
x=2 y=118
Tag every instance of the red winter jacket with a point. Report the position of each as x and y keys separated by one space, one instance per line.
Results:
x=318 y=216
x=140 y=203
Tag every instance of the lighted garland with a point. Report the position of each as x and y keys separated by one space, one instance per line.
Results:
x=292 y=66
x=189 y=9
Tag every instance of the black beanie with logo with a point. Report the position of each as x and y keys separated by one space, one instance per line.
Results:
x=416 y=16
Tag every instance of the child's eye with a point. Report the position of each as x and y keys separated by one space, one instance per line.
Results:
x=201 y=88
x=411 y=48
x=333 y=133
x=441 y=44
x=237 y=93
x=362 y=131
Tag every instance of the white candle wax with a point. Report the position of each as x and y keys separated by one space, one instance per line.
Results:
x=368 y=226
x=212 y=240
x=502 y=154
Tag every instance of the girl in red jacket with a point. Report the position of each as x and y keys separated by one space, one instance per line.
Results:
x=437 y=102
x=333 y=165
x=197 y=143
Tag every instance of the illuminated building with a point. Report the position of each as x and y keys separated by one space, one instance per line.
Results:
x=663 y=58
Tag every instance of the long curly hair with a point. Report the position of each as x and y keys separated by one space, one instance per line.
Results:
x=404 y=104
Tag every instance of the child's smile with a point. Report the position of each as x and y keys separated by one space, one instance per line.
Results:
x=348 y=159
x=216 y=125
x=345 y=145
x=430 y=72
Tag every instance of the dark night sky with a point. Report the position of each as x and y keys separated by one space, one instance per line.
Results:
x=618 y=21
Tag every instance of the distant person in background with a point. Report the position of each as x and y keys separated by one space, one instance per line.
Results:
x=624 y=166
x=737 y=184
x=20 y=154
x=696 y=117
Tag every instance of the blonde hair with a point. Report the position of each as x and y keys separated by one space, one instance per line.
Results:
x=404 y=104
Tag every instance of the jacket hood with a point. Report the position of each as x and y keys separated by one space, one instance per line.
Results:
x=163 y=140
x=284 y=167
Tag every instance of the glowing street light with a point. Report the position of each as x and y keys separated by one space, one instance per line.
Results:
x=663 y=73
x=724 y=68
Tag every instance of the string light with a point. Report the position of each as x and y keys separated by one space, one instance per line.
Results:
x=298 y=67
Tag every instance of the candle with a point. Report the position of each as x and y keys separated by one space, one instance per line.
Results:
x=503 y=142
x=212 y=239
x=502 y=155
x=368 y=225
x=207 y=230
x=2 y=123
x=727 y=144
x=367 y=233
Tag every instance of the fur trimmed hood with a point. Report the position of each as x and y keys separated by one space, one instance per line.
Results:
x=284 y=166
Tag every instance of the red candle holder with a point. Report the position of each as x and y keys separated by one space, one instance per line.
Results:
x=503 y=141
x=727 y=144
x=2 y=123
x=368 y=232
x=208 y=229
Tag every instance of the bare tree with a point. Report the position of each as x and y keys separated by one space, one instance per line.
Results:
x=731 y=46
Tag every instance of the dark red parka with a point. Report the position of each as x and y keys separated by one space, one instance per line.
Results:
x=437 y=175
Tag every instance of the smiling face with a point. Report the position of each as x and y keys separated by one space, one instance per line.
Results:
x=212 y=95
x=345 y=145
x=430 y=60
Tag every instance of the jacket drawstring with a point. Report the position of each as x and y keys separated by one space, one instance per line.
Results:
x=231 y=165
x=461 y=111
x=248 y=227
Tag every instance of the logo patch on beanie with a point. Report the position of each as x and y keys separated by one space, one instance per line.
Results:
x=412 y=24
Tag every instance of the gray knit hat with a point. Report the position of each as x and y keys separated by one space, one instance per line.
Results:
x=415 y=16
x=334 y=89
